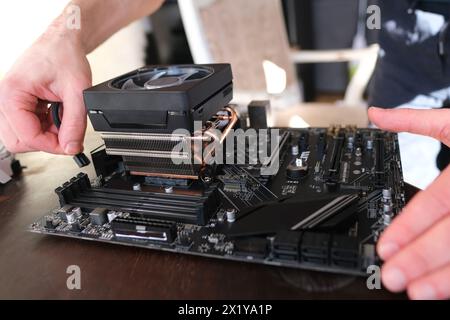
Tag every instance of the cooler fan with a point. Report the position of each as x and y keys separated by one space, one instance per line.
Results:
x=160 y=99
x=161 y=77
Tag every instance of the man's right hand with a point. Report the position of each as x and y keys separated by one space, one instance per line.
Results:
x=54 y=68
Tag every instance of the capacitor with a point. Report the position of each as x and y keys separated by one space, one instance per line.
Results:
x=221 y=216
x=358 y=152
x=350 y=142
x=387 y=208
x=369 y=144
x=71 y=217
x=137 y=186
x=231 y=215
x=387 y=195
x=387 y=213
x=387 y=219
x=295 y=150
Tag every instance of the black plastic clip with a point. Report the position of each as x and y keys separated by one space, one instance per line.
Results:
x=81 y=159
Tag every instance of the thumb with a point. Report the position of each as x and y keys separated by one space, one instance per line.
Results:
x=73 y=122
x=434 y=123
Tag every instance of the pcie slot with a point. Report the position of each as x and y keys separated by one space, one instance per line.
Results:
x=303 y=142
x=345 y=172
x=334 y=162
x=144 y=229
x=321 y=145
x=278 y=149
x=379 y=161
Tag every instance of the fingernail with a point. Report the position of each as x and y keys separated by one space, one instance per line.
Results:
x=73 y=148
x=394 y=279
x=423 y=292
x=387 y=250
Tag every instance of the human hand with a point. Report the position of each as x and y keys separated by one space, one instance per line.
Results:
x=415 y=247
x=54 y=68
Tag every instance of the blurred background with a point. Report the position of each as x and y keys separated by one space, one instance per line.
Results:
x=312 y=59
x=162 y=38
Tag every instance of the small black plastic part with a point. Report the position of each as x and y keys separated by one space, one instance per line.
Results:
x=98 y=216
x=286 y=245
x=16 y=167
x=315 y=247
x=80 y=159
x=49 y=224
x=257 y=112
x=251 y=246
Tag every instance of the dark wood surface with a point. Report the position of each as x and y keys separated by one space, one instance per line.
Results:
x=34 y=265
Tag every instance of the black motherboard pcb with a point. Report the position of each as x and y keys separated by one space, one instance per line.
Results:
x=333 y=192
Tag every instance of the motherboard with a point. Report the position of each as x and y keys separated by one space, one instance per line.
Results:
x=323 y=208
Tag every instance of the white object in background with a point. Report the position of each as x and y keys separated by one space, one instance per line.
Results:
x=21 y=23
x=121 y=53
x=298 y=122
x=28 y=19
x=193 y=13
x=194 y=30
x=367 y=57
x=275 y=77
x=6 y=158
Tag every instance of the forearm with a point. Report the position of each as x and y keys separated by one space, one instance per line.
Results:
x=99 y=19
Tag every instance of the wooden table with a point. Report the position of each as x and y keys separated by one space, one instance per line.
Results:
x=34 y=266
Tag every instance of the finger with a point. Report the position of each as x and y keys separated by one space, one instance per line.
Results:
x=423 y=255
x=27 y=127
x=426 y=208
x=433 y=286
x=73 y=123
x=9 y=138
x=434 y=123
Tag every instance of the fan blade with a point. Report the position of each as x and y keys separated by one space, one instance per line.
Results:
x=129 y=85
x=187 y=75
x=158 y=75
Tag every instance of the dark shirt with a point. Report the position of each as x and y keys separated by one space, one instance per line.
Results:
x=410 y=63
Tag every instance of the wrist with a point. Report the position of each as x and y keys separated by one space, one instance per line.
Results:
x=62 y=29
